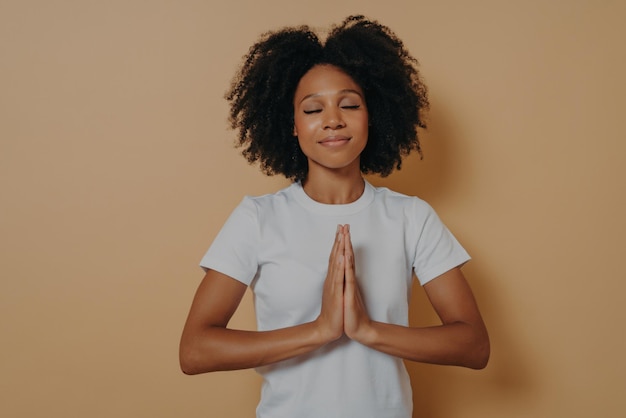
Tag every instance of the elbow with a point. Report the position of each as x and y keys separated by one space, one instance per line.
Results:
x=187 y=364
x=188 y=369
x=192 y=362
x=480 y=354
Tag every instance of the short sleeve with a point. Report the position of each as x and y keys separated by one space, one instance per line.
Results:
x=437 y=250
x=234 y=250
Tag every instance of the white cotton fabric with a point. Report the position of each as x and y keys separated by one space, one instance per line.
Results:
x=279 y=244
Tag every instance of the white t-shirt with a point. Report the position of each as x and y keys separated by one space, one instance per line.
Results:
x=279 y=244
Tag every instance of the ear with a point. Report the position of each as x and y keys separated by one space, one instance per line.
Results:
x=295 y=132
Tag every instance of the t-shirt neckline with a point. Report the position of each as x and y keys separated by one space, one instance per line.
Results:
x=333 y=210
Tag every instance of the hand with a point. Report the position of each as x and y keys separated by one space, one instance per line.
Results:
x=330 y=318
x=356 y=321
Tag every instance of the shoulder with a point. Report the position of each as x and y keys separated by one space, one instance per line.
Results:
x=410 y=205
x=269 y=202
x=269 y=198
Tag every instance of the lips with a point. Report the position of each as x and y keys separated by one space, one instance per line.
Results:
x=334 y=140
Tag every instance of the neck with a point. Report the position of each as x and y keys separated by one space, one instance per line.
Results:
x=334 y=188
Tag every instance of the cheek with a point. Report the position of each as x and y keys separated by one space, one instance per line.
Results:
x=304 y=128
x=362 y=125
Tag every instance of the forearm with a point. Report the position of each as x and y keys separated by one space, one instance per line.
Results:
x=459 y=344
x=218 y=348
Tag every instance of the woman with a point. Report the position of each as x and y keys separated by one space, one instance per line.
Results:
x=331 y=258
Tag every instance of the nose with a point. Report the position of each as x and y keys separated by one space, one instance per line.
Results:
x=333 y=119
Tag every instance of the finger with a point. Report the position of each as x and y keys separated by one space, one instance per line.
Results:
x=349 y=272
x=335 y=249
x=341 y=249
x=349 y=251
x=350 y=289
x=336 y=268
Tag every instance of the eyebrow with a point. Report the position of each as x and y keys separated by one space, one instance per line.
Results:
x=309 y=96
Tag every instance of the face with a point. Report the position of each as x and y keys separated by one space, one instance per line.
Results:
x=330 y=119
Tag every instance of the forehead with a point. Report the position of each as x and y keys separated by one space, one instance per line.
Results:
x=325 y=79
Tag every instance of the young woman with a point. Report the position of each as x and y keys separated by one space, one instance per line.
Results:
x=330 y=259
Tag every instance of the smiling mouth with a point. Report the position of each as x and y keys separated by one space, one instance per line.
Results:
x=334 y=140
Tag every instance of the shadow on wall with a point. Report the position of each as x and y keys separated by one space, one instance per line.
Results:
x=439 y=391
x=442 y=391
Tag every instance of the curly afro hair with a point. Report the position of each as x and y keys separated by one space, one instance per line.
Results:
x=261 y=94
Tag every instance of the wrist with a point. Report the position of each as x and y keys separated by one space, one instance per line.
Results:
x=324 y=334
x=367 y=334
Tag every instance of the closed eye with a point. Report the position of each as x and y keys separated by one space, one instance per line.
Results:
x=309 y=112
x=351 y=107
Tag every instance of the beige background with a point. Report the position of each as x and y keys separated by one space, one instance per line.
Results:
x=117 y=170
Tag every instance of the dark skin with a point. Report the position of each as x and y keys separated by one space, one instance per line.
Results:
x=334 y=177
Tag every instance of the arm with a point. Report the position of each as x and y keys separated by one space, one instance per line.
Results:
x=207 y=344
x=461 y=340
